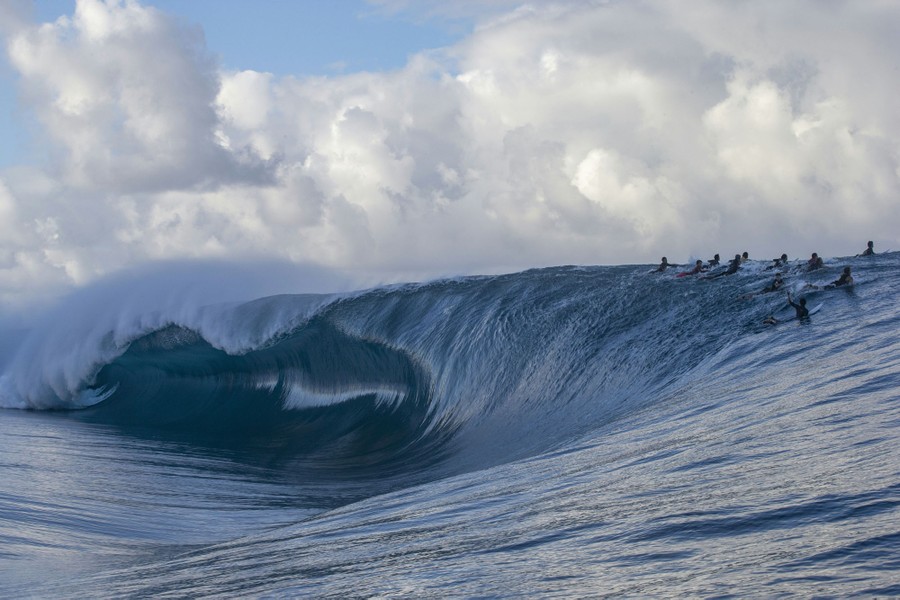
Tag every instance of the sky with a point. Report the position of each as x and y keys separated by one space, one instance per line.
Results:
x=400 y=140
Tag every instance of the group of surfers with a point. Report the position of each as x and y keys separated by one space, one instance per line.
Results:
x=815 y=262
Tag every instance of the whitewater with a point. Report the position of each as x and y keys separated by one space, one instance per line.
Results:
x=577 y=431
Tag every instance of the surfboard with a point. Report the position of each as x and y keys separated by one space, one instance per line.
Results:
x=713 y=273
x=812 y=311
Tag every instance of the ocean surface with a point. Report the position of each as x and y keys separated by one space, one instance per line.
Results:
x=559 y=432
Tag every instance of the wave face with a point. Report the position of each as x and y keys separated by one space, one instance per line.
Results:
x=461 y=373
x=456 y=374
x=502 y=366
x=476 y=371
x=646 y=420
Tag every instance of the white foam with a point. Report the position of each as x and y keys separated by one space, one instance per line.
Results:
x=65 y=347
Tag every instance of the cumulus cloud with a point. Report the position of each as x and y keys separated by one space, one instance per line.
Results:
x=589 y=132
x=128 y=95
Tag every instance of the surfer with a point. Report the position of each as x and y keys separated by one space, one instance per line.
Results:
x=733 y=267
x=745 y=257
x=845 y=279
x=777 y=263
x=698 y=268
x=802 y=311
x=772 y=287
x=869 y=251
x=664 y=265
x=713 y=262
x=815 y=262
x=776 y=284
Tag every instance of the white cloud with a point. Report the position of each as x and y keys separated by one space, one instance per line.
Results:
x=244 y=99
x=753 y=130
x=128 y=95
x=555 y=133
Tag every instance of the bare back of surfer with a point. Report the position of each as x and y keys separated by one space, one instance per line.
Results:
x=698 y=268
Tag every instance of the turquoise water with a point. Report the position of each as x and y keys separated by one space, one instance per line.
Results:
x=572 y=431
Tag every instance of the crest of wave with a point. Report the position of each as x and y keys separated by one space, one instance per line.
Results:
x=64 y=347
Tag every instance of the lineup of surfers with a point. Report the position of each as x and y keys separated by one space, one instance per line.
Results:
x=814 y=263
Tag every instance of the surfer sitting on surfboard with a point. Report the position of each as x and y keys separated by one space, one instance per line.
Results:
x=815 y=262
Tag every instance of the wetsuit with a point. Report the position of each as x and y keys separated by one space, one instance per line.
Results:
x=733 y=266
x=774 y=286
x=802 y=311
x=777 y=263
x=845 y=279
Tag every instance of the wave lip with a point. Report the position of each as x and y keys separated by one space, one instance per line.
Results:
x=57 y=364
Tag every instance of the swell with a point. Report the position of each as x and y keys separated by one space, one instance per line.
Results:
x=463 y=373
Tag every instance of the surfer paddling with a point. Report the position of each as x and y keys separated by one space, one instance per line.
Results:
x=845 y=279
x=665 y=264
x=776 y=285
x=733 y=267
x=778 y=263
x=698 y=268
